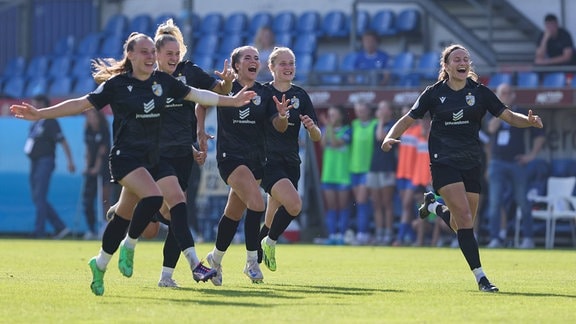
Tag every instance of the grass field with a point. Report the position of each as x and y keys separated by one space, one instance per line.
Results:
x=48 y=281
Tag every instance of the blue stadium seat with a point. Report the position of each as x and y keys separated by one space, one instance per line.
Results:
x=259 y=20
x=348 y=61
x=60 y=66
x=112 y=47
x=527 y=80
x=206 y=45
x=429 y=65
x=89 y=45
x=36 y=85
x=402 y=64
x=498 y=79
x=64 y=46
x=334 y=24
x=305 y=44
x=81 y=66
x=141 y=23
x=283 y=39
x=235 y=23
x=308 y=23
x=211 y=24
x=228 y=43
x=554 y=80
x=408 y=21
x=327 y=62
x=83 y=85
x=562 y=167
x=573 y=83
x=362 y=22
x=284 y=22
x=383 y=23
x=206 y=62
x=304 y=64
x=14 y=86
x=117 y=24
x=14 y=66
x=37 y=66
x=60 y=87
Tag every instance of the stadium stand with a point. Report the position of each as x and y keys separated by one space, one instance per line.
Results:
x=14 y=86
x=499 y=78
x=141 y=23
x=554 y=80
x=527 y=80
x=260 y=19
x=308 y=23
x=383 y=23
x=36 y=85
x=60 y=87
x=334 y=24
x=284 y=22
x=236 y=23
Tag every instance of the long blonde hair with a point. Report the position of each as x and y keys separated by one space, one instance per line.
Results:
x=105 y=68
x=443 y=75
x=169 y=28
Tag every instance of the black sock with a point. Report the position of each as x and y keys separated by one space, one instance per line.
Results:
x=281 y=221
x=252 y=229
x=469 y=247
x=179 y=226
x=114 y=234
x=143 y=213
x=226 y=231
x=171 y=250
x=443 y=213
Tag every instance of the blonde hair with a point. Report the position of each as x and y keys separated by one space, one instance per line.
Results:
x=276 y=51
x=105 y=68
x=169 y=28
x=443 y=75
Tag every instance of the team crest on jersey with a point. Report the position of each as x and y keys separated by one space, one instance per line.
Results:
x=181 y=78
x=470 y=99
x=257 y=100
x=295 y=102
x=157 y=89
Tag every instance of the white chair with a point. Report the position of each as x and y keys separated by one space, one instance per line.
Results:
x=560 y=205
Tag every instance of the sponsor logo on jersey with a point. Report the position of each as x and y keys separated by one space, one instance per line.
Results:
x=129 y=88
x=149 y=106
x=295 y=102
x=157 y=89
x=244 y=113
x=442 y=99
x=458 y=115
x=169 y=100
x=470 y=99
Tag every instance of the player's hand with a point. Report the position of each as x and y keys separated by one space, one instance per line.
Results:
x=243 y=97
x=307 y=121
x=282 y=106
x=387 y=144
x=534 y=120
x=227 y=74
x=25 y=111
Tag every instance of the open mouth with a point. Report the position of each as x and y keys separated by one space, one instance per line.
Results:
x=461 y=70
x=252 y=69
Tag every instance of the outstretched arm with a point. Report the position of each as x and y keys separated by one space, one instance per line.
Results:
x=209 y=98
x=65 y=108
x=520 y=120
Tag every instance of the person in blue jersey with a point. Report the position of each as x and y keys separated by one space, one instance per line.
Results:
x=177 y=154
x=240 y=154
x=137 y=94
x=457 y=104
x=282 y=170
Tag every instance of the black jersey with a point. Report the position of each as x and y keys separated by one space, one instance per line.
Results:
x=179 y=120
x=241 y=131
x=137 y=106
x=284 y=147
x=456 y=121
x=94 y=139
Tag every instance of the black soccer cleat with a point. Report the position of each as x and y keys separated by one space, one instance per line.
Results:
x=429 y=198
x=485 y=286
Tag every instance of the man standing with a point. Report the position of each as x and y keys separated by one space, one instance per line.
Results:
x=41 y=149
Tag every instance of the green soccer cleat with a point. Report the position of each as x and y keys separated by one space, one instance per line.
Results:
x=126 y=261
x=97 y=285
x=269 y=255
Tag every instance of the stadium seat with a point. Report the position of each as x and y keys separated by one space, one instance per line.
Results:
x=14 y=86
x=117 y=24
x=83 y=85
x=228 y=43
x=334 y=24
x=527 y=80
x=348 y=61
x=81 y=66
x=308 y=23
x=141 y=23
x=429 y=65
x=573 y=83
x=408 y=21
x=235 y=23
x=60 y=66
x=383 y=23
x=89 y=45
x=211 y=24
x=37 y=66
x=36 y=85
x=554 y=80
x=14 y=66
x=206 y=62
x=64 y=46
x=327 y=62
x=112 y=47
x=402 y=64
x=284 y=22
x=283 y=39
x=304 y=64
x=60 y=87
x=206 y=45
x=362 y=22
x=305 y=44
x=498 y=79
x=259 y=20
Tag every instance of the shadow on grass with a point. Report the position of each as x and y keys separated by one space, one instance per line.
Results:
x=527 y=294
x=334 y=290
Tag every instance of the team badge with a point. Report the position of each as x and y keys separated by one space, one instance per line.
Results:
x=470 y=99
x=157 y=89
x=257 y=100
x=295 y=102
x=181 y=78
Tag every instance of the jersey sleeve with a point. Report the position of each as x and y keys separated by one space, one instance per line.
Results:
x=102 y=95
x=177 y=89
x=308 y=108
x=199 y=78
x=422 y=105
x=493 y=104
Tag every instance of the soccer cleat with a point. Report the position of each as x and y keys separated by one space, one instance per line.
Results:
x=168 y=283
x=97 y=285
x=485 y=286
x=429 y=198
x=269 y=255
x=126 y=261
x=217 y=278
x=202 y=273
x=252 y=270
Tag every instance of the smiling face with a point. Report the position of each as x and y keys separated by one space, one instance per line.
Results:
x=246 y=63
x=282 y=65
x=143 y=58
x=168 y=56
x=458 y=64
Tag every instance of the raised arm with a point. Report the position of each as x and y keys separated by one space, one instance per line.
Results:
x=65 y=108
x=393 y=136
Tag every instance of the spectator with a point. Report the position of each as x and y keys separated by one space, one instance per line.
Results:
x=335 y=176
x=97 y=139
x=555 y=45
x=264 y=41
x=41 y=149
x=370 y=58
x=382 y=177
x=508 y=157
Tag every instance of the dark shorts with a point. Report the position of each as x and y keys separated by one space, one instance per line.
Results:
x=443 y=175
x=181 y=167
x=121 y=166
x=228 y=165
x=274 y=171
